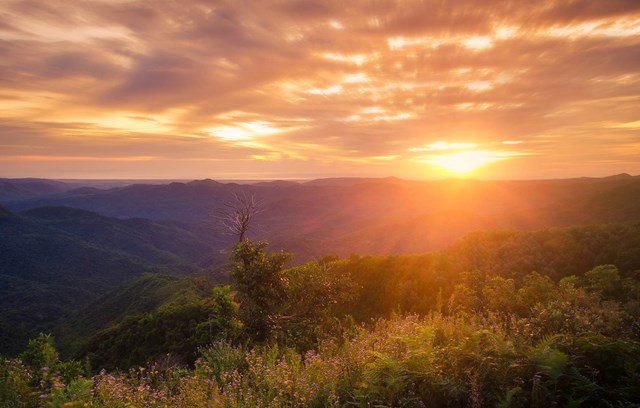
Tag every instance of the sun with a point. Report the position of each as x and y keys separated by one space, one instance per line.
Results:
x=461 y=158
x=465 y=162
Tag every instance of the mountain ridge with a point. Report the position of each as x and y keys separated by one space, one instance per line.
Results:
x=307 y=218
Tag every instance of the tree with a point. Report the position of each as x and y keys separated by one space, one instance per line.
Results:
x=259 y=283
x=236 y=217
x=292 y=304
x=604 y=279
x=40 y=353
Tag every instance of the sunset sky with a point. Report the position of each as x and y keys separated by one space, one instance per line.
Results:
x=305 y=89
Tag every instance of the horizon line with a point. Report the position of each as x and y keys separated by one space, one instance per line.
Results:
x=302 y=180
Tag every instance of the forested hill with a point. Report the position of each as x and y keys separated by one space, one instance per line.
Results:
x=378 y=286
x=508 y=318
x=130 y=301
x=152 y=241
x=365 y=216
x=416 y=283
x=55 y=260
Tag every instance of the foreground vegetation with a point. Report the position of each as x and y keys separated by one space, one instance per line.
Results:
x=404 y=361
x=492 y=341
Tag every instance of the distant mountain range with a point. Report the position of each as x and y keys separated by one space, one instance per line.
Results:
x=18 y=189
x=344 y=215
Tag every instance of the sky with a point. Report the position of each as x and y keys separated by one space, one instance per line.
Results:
x=297 y=89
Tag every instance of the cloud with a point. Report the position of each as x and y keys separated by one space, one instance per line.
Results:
x=335 y=82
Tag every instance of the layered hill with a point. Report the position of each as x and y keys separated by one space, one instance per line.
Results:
x=152 y=241
x=18 y=189
x=69 y=246
x=54 y=261
x=377 y=216
x=154 y=313
x=140 y=295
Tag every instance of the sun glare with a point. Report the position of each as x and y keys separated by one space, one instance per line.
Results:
x=244 y=131
x=464 y=162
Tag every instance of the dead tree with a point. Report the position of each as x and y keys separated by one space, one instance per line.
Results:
x=236 y=217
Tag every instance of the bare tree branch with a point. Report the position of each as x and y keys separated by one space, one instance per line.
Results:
x=236 y=217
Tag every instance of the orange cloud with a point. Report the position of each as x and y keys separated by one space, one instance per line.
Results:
x=312 y=87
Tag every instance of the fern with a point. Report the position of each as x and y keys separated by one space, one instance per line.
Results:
x=553 y=363
x=505 y=401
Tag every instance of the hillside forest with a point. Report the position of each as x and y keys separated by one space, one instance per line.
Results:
x=494 y=309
